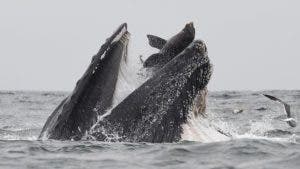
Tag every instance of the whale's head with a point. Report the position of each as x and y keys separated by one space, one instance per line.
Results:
x=201 y=76
x=192 y=70
x=204 y=68
x=199 y=47
x=193 y=63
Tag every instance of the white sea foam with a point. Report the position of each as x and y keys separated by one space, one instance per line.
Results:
x=202 y=130
x=17 y=137
x=213 y=129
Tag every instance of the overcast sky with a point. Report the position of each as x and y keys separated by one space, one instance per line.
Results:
x=47 y=45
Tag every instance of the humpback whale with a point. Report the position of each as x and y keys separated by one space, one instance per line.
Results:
x=158 y=109
x=93 y=93
x=169 y=49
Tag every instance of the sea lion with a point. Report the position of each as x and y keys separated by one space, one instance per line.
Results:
x=169 y=49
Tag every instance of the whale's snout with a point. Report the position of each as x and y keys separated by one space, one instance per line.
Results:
x=121 y=34
x=203 y=69
x=199 y=47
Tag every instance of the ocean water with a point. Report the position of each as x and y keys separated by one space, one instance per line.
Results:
x=260 y=137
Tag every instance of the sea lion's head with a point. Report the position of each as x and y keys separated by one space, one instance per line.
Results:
x=189 y=30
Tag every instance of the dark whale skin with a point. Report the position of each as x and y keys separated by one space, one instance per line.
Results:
x=93 y=92
x=156 y=110
x=168 y=50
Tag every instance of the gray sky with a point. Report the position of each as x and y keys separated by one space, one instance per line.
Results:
x=47 y=45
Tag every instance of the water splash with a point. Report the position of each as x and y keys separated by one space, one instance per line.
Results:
x=199 y=128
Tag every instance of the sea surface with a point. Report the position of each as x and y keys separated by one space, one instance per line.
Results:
x=260 y=137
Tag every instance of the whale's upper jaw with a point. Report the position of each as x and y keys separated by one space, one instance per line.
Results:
x=120 y=33
x=120 y=37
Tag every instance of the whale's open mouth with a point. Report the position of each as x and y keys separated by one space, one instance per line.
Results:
x=120 y=37
x=91 y=86
x=121 y=33
x=124 y=39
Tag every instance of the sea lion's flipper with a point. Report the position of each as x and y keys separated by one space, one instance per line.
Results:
x=156 y=41
x=153 y=60
x=287 y=107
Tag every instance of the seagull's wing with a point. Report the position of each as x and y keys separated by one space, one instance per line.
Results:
x=273 y=98
x=287 y=109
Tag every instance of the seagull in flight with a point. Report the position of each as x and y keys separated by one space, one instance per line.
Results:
x=290 y=120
